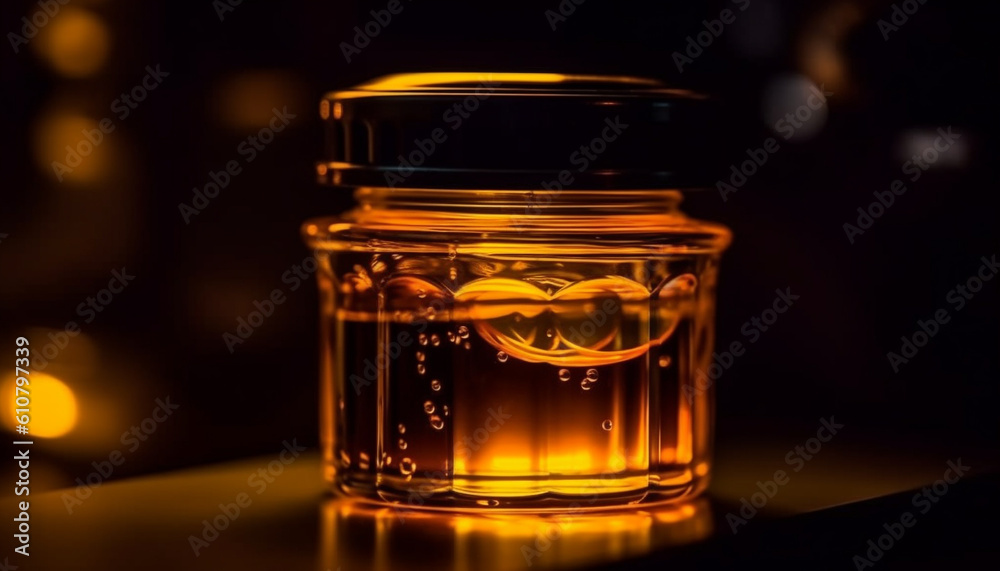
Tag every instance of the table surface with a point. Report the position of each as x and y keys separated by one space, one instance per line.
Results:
x=820 y=519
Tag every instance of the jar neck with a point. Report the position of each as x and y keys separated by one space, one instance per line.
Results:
x=645 y=220
x=523 y=203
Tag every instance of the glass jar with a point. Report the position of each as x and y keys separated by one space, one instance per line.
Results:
x=514 y=314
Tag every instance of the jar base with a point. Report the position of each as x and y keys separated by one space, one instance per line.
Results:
x=418 y=497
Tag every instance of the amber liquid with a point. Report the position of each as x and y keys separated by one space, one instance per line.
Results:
x=469 y=382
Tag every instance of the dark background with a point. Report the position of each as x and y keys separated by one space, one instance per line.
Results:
x=163 y=335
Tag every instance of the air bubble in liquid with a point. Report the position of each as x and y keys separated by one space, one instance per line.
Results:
x=564 y=375
x=428 y=407
x=463 y=332
x=407 y=466
x=421 y=368
x=422 y=339
x=606 y=425
x=402 y=444
x=436 y=422
x=592 y=375
x=401 y=428
x=664 y=360
x=435 y=340
x=435 y=385
x=363 y=460
x=421 y=356
x=502 y=357
x=585 y=385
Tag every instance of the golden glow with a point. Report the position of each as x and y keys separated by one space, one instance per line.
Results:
x=356 y=535
x=52 y=406
x=460 y=82
x=684 y=446
x=247 y=100
x=820 y=53
x=55 y=132
x=533 y=325
x=75 y=42
x=564 y=342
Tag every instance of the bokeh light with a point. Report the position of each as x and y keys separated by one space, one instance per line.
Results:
x=83 y=161
x=75 y=42
x=247 y=100
x=52 y=405
x=820 y=50
x=794 y=107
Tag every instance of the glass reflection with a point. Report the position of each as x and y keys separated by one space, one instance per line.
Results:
x=358 y=535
